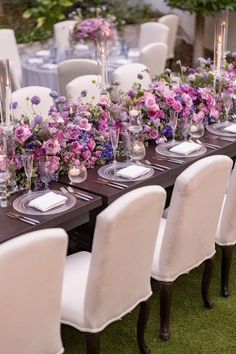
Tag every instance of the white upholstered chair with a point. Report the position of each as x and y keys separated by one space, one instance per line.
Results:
x=152 y=32
x=9 y=50
x=102 y=286
x=61 y=32
x=24 y=106
x=153 y=56
x=172 y=22
x=84 y=88
x=70 y=69
x=31 y=272
x=187 y=237
x=128 y=74
x=226 y=232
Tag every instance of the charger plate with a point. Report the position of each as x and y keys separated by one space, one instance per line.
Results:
x=164 y=149
x=109 y=172
x=218 y=129
x=21 y=203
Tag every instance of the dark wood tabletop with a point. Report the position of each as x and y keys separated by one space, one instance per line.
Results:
x=165 y=179
x=76 y=216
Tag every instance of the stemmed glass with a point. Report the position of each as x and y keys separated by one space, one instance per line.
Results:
x=27 y=160
x=45 y=171
x=227 y=101
x=173 y=123
x=127 y=144
x=114 y=136
x=186 y=125
x=4 y=175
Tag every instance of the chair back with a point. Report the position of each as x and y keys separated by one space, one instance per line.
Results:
x=123 y=246
x=31 y=274
x=172 y=22
x=9 y=50
x=226 y=232
x=87 y=84
x=128 y=74
x=61 y=33
x=70 y=69
x=153 y=56
x=194 y=211
x=15 y=82
x=152 y=32
x=23 y=96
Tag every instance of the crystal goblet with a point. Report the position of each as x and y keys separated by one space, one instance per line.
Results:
x=27 y=160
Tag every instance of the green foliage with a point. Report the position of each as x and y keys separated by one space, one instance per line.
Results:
x=205 y=7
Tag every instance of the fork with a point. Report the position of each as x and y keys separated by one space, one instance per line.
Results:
x=64 y=190
x=21 y=219
x=158 y=165
x=151 y=165
x=111 y=184
x=173 y=160
x=71 y=190
x=117 y=183
x=25 y=217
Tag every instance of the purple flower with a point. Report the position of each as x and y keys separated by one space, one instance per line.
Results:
x=62 y=99
x=83 y=93
x=38 y=119
x=53 y=94
x=14 y=105
x=131 y=93
x=140 y=76
x=35 y=100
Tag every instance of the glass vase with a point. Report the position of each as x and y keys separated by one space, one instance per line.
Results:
x=101 y=53
x=197 y=130
x=77 y=173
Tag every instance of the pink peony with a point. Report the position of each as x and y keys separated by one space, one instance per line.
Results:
x=22 y=133
x=84 y=124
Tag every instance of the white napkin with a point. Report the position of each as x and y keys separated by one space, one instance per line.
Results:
x=231 y=128
x=35 y=60
x=133 y=53
x=185 y=148
x=49 y=66
x=122 y=61
x=48 y=201
x=43 y=53
x=132 y=171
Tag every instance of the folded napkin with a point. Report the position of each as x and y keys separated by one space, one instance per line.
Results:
x=132 y=171
x=35 y=60
x=49 y=66
x=48 y=201
x=231 y=128
x=81 y=47
x=43 y=53
x=185 y=148
x=122 y=61
x=133 y=53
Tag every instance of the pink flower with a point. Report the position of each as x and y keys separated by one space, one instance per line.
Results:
x=198 y=117
x=187 y=99
x=177 y=106
x=84 y=124
x=52 y=147
x=54 y=163
x=170 y=100
x=150 y=101
x=91 y=144
x=86 y=154
x=22 y=133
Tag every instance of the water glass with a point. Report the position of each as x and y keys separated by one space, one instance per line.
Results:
x=173 y=119
x=227 y=102
x=45 y=171
x=77 y=173
x=127 y=143
x=4 y=175
x=114 y=136
x=27 y=160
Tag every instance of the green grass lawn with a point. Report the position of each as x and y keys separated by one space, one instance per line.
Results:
x=195 y=330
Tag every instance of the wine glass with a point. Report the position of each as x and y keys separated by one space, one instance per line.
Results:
x=173 y=118
x=27 y=160
x=227 y=101
x=4 y=175
x=45 y=171
x=127 y=144
x=114 y=136
x=186 y=126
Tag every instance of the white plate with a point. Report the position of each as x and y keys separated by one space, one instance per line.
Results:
x=164 y=149
x=218 y=129
x=109 y=172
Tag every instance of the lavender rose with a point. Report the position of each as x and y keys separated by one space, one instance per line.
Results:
x=52 y=147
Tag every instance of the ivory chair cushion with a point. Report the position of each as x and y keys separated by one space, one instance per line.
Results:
x=71 y=69
x=188 y=237
x=128 y=74
x=86 y=83
x=153 y=56
x=226 y=232
x=103 y=286
x=24 y=106
x=172 y=22
x=152 y=32
x=31 y=272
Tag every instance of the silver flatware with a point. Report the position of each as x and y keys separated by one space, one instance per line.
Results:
x=110 y=184
x=25 y=217
x=209 y=145
x=117 y=183
x=150 y=165
x=226 y=139
x=21 y=219
x=64 y=190
x=158 y=165
x=71 y=190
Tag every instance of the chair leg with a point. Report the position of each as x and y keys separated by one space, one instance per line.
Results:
x=141 y=326
x=165 y=305
x=206 y=280
x=226 y=258
x=92 y=343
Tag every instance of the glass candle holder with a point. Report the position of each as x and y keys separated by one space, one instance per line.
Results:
x=77 y=173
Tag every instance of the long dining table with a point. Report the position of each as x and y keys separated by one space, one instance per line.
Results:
x=85 y=211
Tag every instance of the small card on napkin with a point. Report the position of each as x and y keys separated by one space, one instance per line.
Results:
x=43 y=53
x=35 y=60
x=48 y=201
x=132 y=171
x=231 y=128
x=185 y=148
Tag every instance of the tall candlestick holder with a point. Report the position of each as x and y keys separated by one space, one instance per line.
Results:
x=101 y=47
x=220 y=41
x=5 y=94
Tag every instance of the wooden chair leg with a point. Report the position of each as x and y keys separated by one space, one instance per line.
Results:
x=141 y=326
x=92 y=343
x=165 y=305
x=226 y=257
x=206 y=280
